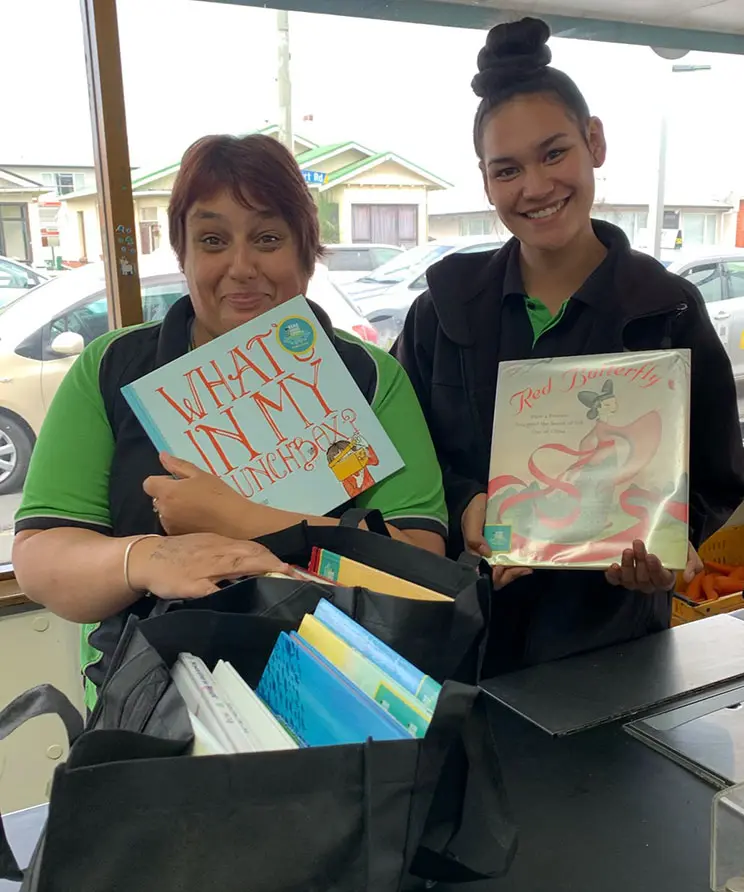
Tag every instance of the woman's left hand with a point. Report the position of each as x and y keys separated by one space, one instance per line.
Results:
x=197 y=502
x=640 y=571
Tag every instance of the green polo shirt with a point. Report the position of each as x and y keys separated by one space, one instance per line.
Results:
x=541 y=319
x=92 y=455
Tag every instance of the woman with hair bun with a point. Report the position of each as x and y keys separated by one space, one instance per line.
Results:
x=565 y=285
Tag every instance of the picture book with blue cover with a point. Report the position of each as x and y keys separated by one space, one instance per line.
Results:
x=271 y=409
x=317 y=703
x=401 y=704
x=408 y=676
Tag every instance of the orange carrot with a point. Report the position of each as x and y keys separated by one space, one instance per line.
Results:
x=709 y=587
x=694 y=589
x=725 y=585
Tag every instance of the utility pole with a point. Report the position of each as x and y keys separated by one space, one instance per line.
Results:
x=284 y=81
x=656 y=208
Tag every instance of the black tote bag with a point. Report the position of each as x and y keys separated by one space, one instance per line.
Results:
x=446 y=640
x=130 y=811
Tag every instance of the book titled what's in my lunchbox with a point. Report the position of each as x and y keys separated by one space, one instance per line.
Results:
x=588 y=454
x=271 y=409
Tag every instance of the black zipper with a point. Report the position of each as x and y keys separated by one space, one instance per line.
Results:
x=673 y=315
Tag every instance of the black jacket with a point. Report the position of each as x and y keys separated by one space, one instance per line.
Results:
x=469 y=320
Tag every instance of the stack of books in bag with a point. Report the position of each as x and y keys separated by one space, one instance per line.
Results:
x=331 y=682
x=328 y=567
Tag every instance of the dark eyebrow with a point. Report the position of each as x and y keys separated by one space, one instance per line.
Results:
x=545 y=144
x=213 y=215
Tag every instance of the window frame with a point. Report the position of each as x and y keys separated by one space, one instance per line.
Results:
x=112 y=163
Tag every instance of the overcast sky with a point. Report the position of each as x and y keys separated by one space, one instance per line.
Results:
x=195 y=67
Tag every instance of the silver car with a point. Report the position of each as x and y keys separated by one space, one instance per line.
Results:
x=720 y=280
x=385 y=295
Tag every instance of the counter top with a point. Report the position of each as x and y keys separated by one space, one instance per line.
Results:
x=10 y=594
x=599 y=812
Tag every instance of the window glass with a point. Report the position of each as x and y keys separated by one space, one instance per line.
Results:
x=707 y=279
x=407 y=265
x=65 y=183
x=158 y=299
x=735 y=277
x=407 y=178
x=47 y=146
x=90 y=320
x=477 y=225
x=15 y=277
x=348 y=260
x=383 y=255
x=481 y=246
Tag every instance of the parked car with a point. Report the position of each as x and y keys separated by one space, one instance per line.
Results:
x=719 y=277
x=385 y=295
x=42 y=332
x=347 y=262
x=16 y=279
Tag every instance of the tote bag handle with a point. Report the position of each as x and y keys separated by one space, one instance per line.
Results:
x=41 y=700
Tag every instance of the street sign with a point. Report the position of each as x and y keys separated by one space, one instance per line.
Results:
x=315 y=177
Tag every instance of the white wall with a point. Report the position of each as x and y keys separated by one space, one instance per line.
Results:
x=39 y=647
x=70 y=246
x=369 y=194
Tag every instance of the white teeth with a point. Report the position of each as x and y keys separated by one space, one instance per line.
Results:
x=546 y=212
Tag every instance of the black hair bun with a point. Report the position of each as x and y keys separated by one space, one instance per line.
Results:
x=513 y=51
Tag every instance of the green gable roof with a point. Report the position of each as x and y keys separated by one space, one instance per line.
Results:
x=307 y=157
x=378 y=158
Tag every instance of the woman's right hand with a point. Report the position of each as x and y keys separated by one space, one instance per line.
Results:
x=473 y=522
x=190 y=566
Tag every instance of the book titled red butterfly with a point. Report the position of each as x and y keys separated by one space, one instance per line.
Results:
x=589 y=453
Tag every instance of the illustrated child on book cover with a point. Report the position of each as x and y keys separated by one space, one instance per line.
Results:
x=588 y=458
x=350 y=461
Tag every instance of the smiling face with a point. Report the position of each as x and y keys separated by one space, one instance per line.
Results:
x=538 y=169
x=239 y=262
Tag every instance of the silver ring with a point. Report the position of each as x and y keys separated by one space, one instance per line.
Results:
x=155 y=506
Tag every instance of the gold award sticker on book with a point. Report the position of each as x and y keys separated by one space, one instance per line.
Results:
x=588 y=454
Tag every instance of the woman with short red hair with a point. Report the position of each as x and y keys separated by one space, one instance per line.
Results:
x=245 y=229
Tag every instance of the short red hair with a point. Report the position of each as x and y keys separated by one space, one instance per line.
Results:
x=254 y=168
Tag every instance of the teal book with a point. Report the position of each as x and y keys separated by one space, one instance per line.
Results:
x=404 y=673
x=272 y=410
x=367 y=676
x=317 y=703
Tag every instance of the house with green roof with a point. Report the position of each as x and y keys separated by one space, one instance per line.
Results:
x=363 y=196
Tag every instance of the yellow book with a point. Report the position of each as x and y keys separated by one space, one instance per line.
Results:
x=367 y=676
x=345 y=571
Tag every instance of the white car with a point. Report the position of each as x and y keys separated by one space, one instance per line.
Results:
x=719 y=276
x=16 y=279
x=385 y=294
x=347 y=262
x=43 y=331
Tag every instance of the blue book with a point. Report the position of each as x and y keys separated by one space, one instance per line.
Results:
x=407 y=675
x=271 y=409
x=316 y=702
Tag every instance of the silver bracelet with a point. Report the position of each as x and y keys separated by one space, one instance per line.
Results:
x=127 y=553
